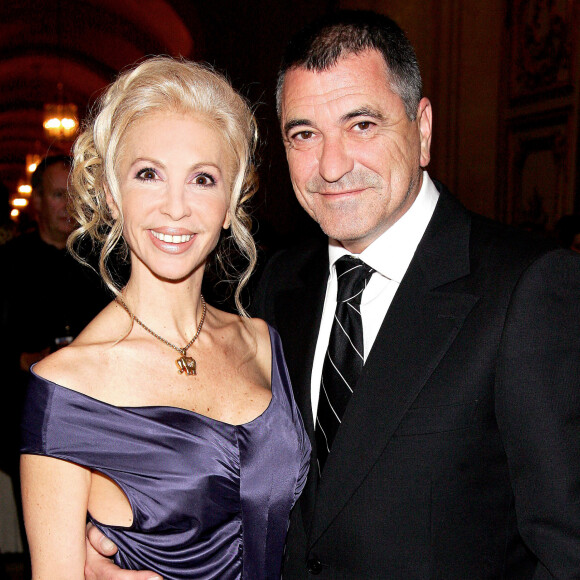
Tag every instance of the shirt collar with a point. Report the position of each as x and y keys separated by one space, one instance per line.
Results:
x=391 y=253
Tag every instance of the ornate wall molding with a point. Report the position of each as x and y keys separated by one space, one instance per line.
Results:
x=541 y=46
x=539 y=171
x=539 y=119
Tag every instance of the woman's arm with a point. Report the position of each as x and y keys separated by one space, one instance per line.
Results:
x=55 y=496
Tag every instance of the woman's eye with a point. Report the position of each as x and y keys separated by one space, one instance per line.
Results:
x=147 y=174
x=203 y=179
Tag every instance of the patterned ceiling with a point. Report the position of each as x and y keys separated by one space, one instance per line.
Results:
x=79 y=44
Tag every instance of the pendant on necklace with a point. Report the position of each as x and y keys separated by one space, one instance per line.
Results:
x=186 y=364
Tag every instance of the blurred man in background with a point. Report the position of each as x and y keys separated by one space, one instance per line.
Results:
x=43 y=298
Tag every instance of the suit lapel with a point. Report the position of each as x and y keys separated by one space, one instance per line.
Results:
x=298 y=314
x=420 y=325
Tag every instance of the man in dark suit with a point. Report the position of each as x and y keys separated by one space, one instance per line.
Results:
x=458 y=453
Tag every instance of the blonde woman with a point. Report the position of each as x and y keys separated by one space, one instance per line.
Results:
x=170 y=423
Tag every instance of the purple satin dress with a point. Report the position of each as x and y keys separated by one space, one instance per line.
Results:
x=209 y=499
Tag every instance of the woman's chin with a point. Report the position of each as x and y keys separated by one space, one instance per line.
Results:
x=176 y=275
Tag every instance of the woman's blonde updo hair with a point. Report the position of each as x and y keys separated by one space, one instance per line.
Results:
x=168 y=85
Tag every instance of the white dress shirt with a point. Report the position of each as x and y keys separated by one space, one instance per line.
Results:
x=390 y=256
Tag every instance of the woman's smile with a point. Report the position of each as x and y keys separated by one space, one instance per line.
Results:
x=168 y=238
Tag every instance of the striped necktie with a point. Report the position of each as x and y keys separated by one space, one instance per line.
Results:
x=344 y=358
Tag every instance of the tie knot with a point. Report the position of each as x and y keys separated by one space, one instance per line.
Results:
x=352 y=275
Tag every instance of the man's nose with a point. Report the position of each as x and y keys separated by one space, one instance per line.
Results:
x=334 y=161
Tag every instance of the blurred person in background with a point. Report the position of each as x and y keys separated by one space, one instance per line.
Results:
x=46 y=298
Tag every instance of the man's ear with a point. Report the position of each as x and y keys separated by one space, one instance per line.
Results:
x=111 y=203
x=425 y=123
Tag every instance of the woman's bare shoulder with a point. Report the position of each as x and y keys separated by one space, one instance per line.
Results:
x=251 y=330
x=261 y=331
x=257 y=336
x=80 y=364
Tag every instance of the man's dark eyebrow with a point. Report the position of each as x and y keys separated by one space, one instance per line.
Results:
x=363 y=112
x=295 y=123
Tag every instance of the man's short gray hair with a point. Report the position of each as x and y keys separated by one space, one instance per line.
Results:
x=319 y=46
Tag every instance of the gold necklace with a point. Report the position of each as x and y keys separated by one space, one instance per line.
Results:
x=186 y=363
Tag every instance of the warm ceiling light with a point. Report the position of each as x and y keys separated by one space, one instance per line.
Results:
x=68 y=124
x=19 y=202
x=53 y=123
x=25 y=189
x=15 y=213
x=60 y=120
x=32 y=161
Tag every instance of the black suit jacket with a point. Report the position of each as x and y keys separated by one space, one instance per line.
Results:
x=459 y=454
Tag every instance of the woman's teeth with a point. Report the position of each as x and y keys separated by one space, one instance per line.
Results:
x=172 y=239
